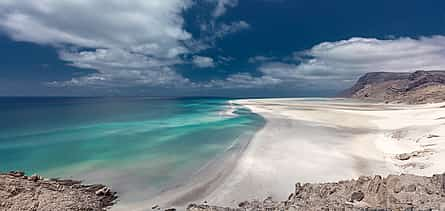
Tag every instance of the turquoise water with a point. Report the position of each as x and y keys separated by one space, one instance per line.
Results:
x=149 y=142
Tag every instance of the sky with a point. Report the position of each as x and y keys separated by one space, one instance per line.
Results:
x=227 y=48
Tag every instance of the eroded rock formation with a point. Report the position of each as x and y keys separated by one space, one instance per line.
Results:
x=404 y=192
x=34 y=193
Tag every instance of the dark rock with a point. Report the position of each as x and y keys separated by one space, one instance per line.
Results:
x=397 y=188
x=432 y=136
x=103 y=191
x=374 y=184
x=411 y=188
x=16 y=173
x=35 y=178
x=298 y=188
x=357 y=196
x=290 y=196
x=403 y=156
x=243 y=204
x=428 y=191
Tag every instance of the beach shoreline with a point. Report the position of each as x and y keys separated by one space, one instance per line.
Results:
x=327 y=140
x=202 y=182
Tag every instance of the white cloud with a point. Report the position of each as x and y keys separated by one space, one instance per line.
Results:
x=243 y=80
x=340 y=63
x=211 y=32
x=96 y=23
x=260 y=59
x=231 y=28
x=360 y=55
x=203 y=62
x=128 y=78
x=128 y=43
x=222 y=5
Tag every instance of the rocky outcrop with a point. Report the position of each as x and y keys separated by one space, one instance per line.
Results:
x=412 y=88
x=34 y=193
x=401 y=192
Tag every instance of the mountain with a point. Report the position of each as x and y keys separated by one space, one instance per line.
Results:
x=412 y=88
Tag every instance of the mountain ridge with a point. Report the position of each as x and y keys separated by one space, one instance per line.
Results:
x=417 y=87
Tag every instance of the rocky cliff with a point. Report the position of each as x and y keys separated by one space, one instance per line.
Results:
x=34 y=193
x=412 y=88
x=395 y=192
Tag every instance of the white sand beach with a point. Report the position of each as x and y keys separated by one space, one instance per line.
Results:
x=310 y=140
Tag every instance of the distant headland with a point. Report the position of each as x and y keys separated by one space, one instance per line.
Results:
x=390 y=87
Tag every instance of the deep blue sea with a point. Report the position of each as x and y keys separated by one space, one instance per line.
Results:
x=144 y=141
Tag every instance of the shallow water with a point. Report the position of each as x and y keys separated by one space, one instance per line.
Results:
x=133 y=144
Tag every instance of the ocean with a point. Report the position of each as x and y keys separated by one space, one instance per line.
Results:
x=134 y=144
